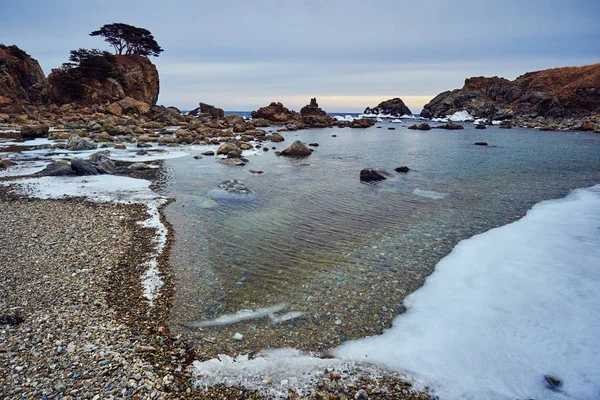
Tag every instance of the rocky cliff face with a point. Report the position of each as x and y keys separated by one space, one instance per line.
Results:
x=393 y=107
x=554 y=94
x=20 y=77
x=136 y=78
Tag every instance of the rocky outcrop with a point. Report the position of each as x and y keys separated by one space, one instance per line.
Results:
x=297 y=149
x=20 y=78
x=135 y=77
x=373 y=175
x=276 y=113
x=394 y=108
x=554 y=93
x=362 y=123
x=314 y=116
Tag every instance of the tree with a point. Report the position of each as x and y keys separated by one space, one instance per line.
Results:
x=93 y=64
x=129 y=39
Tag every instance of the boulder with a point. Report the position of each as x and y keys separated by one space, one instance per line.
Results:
x=404 y=169
x=236 y=162
x=229 y=148
x=233 y=119
x=480 y=143
x=373 y=175
x=394 y=108
x=138 y=166
x=82 y=167
x=4 y=164
x=58 y=168
x=275 y=137
x=297 y=149
x=76 y=143
x=208 y=153
x=208 y=111
x=103 y=137
x=34 y=131
x=420 y=127
x=451 y=126
x=480 y=126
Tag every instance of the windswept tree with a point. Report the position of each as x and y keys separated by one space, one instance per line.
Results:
x=129 y=39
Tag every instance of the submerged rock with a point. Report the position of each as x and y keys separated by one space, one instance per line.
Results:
x=77 y=143
x=297 y=149
x=234 y=186
x=553 y=382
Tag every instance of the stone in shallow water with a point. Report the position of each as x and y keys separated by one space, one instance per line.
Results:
x=553 y=382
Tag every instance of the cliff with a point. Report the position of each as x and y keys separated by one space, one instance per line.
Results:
x=134 y=76
x=20 y=76
x=569 y=92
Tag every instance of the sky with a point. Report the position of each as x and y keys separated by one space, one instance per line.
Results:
x=241 y=55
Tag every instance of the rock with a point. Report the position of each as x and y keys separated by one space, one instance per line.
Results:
x=21 y=78
x=98 y=156
x=235 y=162
x=297 y=149
x=420 y=127
x=229 y=148
x=335 y=376
x=34 y=131
x=82 y=167
x=260 y=123
x=314 y=116
x=120 y=146
x=238 y=336
x=233 y=119
x=235 y=187
x=208 y=153
x=480 y=126
x=138 y=166
x=4 y=164
x=314 y=144
x=103 y=137
x=373 y=175
x=198 y=157
x=403 y=169
x=208 y=110
x=394 y=107
x=333 y=135
x=105 y=166
x=553 y=382
x=276 y=113
x=362 y=123
x=131 y=106
x=361 y=395
x=275 y=137
x=480 y=143
x=76 y=143
x=265 y=149
x=505 y=125
x=451 y=126
x=257 y=171
x=58 y=168
x=391 y=128
x=588 y=126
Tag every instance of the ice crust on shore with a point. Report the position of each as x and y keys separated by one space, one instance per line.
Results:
x=505 y=308
x=501 y=311
x=109 y=188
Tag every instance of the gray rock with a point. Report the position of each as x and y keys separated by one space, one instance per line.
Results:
x=236 y=187
x=77 y=143
x=82 y=167
x=58 y=168
x=373 y=175
x=138 y=166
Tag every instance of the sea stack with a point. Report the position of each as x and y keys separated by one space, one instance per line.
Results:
x=390 y=108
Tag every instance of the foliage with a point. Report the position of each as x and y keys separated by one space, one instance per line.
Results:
x=94 y=64
x=68 y=79
x=15 y=51
x=129 y=39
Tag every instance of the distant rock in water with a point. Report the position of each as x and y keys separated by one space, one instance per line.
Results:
x=21 y=77
x=207 y=110
x=553 y=93
x=276 y=113
x=314 y=116
x=393 y=107
x=373 y=175
x=297 y=149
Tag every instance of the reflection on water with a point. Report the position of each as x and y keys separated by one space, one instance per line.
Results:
x=302 y=222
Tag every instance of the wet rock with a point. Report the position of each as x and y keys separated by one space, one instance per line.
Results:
x=361 y=395
x=265 y=149
x=505 y=125
x=403 y=169
x=297 y=149
x=34 y=131
x=553 y=382
x=451 y=126
x=6 y=164
x=257 y=171
x=362 y=123
x=373 y=175
x=229 y=148
x=234 y=162
x=58 y=168
x=480 y=143
x=235 y=187
x=314 y=144
x=98 y=156
x=391 y=128
x=208 y=153
x=480 y=126
x=82 y=167
x=275 y=137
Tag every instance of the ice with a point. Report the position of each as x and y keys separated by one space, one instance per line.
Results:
x=505 y=308
x=32 y=142
x=242 y=315
x=109 y=188
x=24 y=168
x=461 y=116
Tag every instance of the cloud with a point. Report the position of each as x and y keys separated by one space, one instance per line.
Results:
x=246 y=54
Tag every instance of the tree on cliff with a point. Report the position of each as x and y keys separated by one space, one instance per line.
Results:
x=129 y=39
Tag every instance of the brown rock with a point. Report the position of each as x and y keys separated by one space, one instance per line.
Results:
x=297 y=149
x=6 y=164
x=277 y=113
x=227 y=148
x=20 y=78
x=362 y=123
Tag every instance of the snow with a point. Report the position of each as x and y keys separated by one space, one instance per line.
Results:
x=504 y=309
x=461 y=116
x=109 y=188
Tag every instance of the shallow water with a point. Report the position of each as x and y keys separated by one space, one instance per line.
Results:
x=308 y=226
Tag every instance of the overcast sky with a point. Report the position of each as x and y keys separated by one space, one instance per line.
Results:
x=240 y=55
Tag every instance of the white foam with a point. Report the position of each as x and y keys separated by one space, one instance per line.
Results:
x=430 y=194
x=439 y=119
x=461 y=116
x=242 y=315
x=349 y=118
x=396 y=121
x=505 y=308
x=109 y=188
